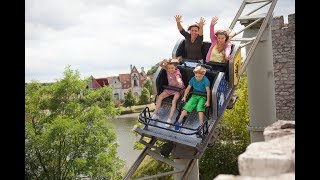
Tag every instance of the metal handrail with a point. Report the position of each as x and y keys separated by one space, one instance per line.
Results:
x=142 y=118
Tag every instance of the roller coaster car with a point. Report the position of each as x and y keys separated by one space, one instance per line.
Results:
x=190 y=133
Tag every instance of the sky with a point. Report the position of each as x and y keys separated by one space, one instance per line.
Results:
x=103 y=37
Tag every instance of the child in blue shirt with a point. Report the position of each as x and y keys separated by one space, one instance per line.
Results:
x=199 y=83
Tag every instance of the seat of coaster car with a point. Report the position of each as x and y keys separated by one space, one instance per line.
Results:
x=222 y=67
x=217 y=66
x=190 y=134
x=182 y=52
x=187 y=72
x=204 y=49
x=162 y=84
x=162 y=81
x=192 y=119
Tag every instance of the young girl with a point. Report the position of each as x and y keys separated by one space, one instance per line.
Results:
x=220 y=46
x=174 y=79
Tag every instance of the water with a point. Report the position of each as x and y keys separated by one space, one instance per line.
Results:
x=125 y=137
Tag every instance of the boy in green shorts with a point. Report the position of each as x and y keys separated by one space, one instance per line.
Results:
x=199 y=83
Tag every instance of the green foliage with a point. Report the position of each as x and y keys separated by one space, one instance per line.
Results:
x=145 y=96
x=221 y=159
x=149 y=86
x=130 y=99
x=66 y=132
x=238 y=117
x=153 y=69
x=232 y=140
x=150 y=167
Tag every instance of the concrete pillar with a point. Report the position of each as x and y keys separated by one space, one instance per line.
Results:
x=261 y=88
x=193 y=175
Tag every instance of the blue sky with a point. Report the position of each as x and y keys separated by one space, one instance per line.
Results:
x=102 y=38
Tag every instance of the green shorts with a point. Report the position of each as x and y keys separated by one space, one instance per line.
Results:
x=196 y=101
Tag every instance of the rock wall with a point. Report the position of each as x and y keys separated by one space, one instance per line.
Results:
x=283 y=46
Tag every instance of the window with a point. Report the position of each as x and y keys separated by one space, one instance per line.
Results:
x=116 y=96
x=135 y=80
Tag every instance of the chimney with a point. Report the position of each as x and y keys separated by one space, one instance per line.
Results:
x=130 y=67
x=142 y=69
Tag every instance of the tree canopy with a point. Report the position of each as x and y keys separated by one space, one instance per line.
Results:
x=130 y=99
x=66 y=131
x=153 y=69
x=145 y=96
x=149 y=86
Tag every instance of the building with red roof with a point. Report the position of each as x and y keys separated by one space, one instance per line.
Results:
x=122 y=83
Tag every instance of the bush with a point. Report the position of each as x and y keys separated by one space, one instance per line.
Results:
x=130 y=99
x=145 y=96
x=150 y=167
x=233 y=139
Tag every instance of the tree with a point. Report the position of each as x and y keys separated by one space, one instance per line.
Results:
x=148 y=85
x=153 y=69
x=130 y=99
x=66 y=131
x=145 y=96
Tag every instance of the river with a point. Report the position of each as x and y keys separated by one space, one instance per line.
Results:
x=123 y=125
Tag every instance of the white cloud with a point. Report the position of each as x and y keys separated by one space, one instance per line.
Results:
x=102 y=38
x=56 y=14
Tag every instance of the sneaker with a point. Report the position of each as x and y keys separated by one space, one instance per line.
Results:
x=167 y=125
x=177 y=126
x=154 y=116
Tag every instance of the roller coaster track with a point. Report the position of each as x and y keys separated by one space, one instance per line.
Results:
x=195 y=141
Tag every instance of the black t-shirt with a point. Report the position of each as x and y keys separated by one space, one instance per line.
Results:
x=193 y=50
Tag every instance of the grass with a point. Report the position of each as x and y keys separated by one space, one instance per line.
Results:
x=135 y=109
